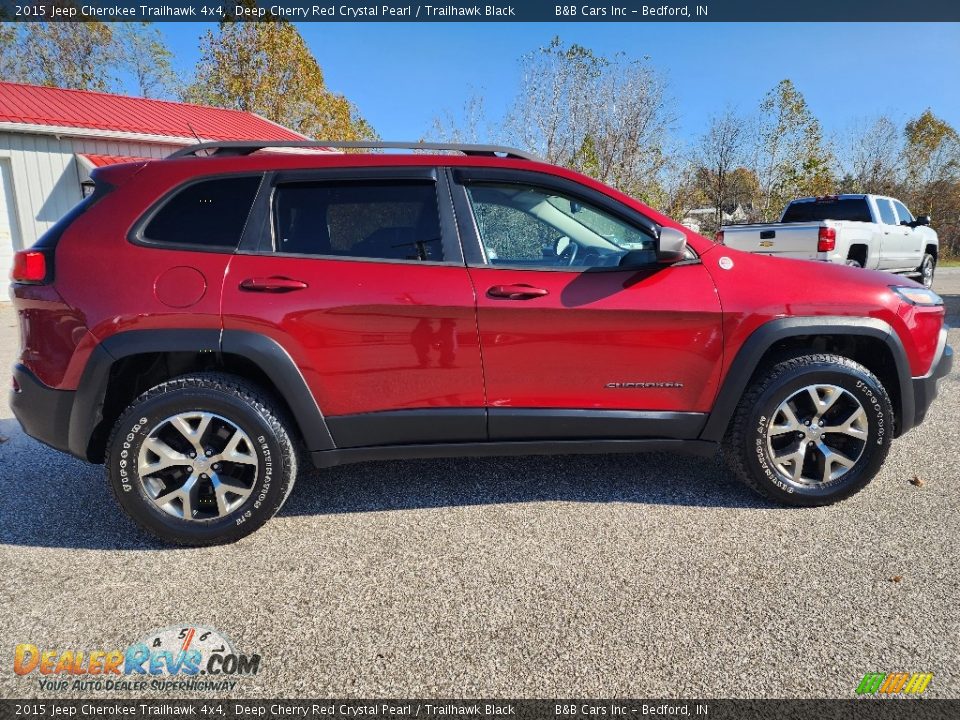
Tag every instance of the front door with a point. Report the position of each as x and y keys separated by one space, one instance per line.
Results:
x=359 y=276
x=573 y=346
x=895 y=248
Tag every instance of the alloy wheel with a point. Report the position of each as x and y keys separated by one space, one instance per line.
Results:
x=198 y=466
x=817 y=435
x=926 y=272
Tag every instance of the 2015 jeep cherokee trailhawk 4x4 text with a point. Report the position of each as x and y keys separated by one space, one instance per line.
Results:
x=205 y=325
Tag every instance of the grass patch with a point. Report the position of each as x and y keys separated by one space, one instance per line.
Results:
x=949 y=262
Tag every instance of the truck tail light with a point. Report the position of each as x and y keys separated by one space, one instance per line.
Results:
x=718 y=238
x=29 y=266
x=827 y=239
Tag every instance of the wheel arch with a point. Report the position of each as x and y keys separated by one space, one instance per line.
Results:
x=860 y=252
x=126 y=364
x=869 y=341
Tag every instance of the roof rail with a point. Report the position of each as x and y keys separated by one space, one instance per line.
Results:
x=247 y=147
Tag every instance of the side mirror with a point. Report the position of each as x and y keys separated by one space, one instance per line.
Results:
x=671 y=246
x=922 y=220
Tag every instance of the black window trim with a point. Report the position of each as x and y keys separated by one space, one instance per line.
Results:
x=461 y=176
x=260 y=240
x=136 y=236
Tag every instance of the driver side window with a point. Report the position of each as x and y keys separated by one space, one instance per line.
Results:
x=529 y=226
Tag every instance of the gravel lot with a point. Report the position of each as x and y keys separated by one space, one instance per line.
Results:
x=643 y=576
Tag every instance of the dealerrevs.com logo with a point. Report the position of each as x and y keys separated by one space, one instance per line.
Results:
x=177 y=658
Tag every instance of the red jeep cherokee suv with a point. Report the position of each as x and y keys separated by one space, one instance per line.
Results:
x=207 y=324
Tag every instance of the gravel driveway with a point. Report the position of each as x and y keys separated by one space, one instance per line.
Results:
x=643 y=576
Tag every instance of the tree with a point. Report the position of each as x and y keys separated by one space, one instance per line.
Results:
x=874 y=161
x=607 y=117
x=719 y=153
x=8 y=51
x=142 y=52
x=76 y=55
x=267 y=68
x=792 y=159
x=87 y=55
x=468 y=126
x=932 y=160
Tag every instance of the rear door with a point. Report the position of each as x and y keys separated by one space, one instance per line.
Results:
x=573 y=346
x=359 y=276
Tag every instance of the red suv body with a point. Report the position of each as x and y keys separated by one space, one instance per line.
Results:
x=385 y=306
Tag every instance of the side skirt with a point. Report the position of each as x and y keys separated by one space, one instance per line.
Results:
x=329 y=458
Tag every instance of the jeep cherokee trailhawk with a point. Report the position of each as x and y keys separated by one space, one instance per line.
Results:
x=207 y=324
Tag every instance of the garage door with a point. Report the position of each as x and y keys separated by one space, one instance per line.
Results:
x=8 y=229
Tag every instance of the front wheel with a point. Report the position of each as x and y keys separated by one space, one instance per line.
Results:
x=814 y=430
x=201 y=460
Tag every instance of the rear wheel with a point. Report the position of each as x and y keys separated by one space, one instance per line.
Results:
x=201 y=459
x=853 y=262
x=814 y=430
x=927 y=268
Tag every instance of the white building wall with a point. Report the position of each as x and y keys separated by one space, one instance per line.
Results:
x=44 y=182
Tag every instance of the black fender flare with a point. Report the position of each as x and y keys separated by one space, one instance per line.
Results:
x=765 y=336
x=264 y=352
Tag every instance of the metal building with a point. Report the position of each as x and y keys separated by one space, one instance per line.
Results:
x=50 y=140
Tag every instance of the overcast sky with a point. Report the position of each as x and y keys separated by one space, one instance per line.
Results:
x=401 y=75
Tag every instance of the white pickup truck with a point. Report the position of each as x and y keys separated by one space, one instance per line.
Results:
x=866 y=231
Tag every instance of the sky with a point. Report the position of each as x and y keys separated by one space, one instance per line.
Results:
x=402 y=75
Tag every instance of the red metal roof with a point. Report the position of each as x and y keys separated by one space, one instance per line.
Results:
x=104 y=160
x=56 y=107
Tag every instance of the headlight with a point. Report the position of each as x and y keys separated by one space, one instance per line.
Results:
x=917 y=295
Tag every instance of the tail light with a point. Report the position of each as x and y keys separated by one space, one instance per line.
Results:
x=29 y=266
x=827 y=239
x=718 y=238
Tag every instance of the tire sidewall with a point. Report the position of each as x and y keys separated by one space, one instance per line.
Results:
x=274 y=473
x=879 y=433
x=927 y=260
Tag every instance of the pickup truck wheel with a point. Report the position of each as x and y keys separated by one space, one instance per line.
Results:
x=814 y=430
x=202 y=459
x=853 y=263
x=926 y=270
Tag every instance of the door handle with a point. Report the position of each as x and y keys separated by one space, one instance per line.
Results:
x=516 y=292
x=272 y=284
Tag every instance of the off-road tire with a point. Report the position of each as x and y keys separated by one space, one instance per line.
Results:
x=255 y=412
x=746 y=450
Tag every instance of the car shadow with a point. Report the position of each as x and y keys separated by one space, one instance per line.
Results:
x=52 y=500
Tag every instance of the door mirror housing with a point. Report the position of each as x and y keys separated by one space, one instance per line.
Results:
x=922 y=220
x=671 y=246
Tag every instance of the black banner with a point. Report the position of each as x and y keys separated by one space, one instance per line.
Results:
x=861 y=709
x=610 y=11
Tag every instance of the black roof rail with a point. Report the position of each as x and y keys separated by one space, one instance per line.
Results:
x=247 y=147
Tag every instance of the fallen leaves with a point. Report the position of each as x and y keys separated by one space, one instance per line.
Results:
x=896 y=578
x=918 y=481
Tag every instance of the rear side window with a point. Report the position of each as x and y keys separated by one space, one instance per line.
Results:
x=387 y=220
x=852 y=209
x=209 y=213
